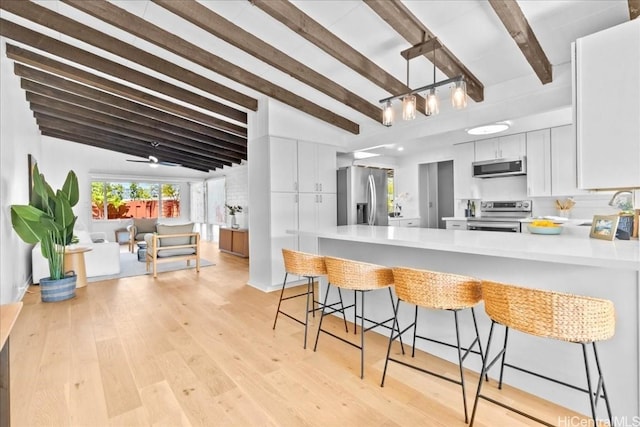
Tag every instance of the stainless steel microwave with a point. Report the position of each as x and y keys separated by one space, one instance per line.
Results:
x=500 y=167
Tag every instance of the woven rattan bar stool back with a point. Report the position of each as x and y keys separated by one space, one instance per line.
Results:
x=439 y=291
x=311 y=267
x=360 y=277
x=566 y=317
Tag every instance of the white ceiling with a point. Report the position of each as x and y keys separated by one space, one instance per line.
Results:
x=469 y=28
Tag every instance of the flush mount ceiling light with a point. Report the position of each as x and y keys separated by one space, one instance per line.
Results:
x=409 y=106
x=488 y=129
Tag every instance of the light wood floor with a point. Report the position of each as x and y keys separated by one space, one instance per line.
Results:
x=189 y=349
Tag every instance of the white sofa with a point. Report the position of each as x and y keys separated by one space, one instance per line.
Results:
x=103 y=258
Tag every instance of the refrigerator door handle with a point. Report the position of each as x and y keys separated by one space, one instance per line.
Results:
x=371 y=186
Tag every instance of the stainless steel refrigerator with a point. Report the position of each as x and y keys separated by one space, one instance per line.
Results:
x=362 y=196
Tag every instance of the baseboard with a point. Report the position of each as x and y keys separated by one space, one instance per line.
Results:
x=277 y=286
x=23 y=289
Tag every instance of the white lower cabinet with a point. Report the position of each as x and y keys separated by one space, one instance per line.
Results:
x=456 y=224
x=404 y=222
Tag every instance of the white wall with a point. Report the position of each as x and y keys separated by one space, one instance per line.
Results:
x=19 y=137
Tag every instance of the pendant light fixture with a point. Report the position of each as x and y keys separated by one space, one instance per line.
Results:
x=408 y=102
x=387 y=114
x=432 y=104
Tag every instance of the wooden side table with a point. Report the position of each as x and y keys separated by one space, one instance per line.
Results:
x=74 y=260
x=8 y=315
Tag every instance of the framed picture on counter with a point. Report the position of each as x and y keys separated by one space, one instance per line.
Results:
x=604 y=227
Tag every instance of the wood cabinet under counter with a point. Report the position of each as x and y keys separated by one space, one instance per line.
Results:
x=234 y=241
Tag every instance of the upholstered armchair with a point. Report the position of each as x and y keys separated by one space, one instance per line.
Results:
x=172 y=243
x=139 y=228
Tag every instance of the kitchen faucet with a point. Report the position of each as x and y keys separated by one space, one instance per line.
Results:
x=617 y=193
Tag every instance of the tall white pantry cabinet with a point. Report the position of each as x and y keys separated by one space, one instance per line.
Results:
x=292 y=186
x=607 y=107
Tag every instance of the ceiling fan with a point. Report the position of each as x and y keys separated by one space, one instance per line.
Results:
x=153 y=160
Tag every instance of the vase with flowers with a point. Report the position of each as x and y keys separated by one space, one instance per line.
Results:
x=232 y=210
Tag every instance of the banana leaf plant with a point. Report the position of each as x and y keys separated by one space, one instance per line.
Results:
x=48 y=219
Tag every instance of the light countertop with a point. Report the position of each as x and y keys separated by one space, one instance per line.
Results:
x=567 y=249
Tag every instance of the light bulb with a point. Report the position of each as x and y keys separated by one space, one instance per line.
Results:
x=409 y=107
x=432 y=104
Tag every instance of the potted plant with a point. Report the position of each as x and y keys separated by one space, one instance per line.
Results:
x=49 y=220
x=233 y=210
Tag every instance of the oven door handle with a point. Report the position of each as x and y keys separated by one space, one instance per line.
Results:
x=475 y=225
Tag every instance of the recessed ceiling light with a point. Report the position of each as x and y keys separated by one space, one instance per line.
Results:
x=363 y=155
x=400 y=148
x=488 y=129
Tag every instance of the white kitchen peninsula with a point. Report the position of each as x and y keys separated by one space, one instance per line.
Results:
x=574 y=264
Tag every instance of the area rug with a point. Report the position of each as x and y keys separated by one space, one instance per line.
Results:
x=130 y=266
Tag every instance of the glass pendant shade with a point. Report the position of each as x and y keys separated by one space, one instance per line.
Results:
x=459 y=95
x=432 y=105
x=387 y=114
x=409 y=107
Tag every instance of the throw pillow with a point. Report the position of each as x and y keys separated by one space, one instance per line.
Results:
x=174 y=229
x=145 y=225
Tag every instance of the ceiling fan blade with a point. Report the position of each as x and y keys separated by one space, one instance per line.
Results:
x=169 y=164
x=138 y=161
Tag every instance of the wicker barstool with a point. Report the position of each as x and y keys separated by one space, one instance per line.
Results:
x=561 y=316
x=440 y=291
x=360 y=277
x=310 y=267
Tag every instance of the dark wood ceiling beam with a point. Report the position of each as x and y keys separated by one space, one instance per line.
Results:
x=70 y=98
x=156 y=118
x=634 y=9
x=119 y=147
x=421 y=49
x=405 y=23
x=220 y=27
x=520 y=31
x=115 y=142
x=170 y=151
x=50 y=45
x=48 y=64
x=133 y=24
x=40 y=104
x=50 y=19
x=302 y=24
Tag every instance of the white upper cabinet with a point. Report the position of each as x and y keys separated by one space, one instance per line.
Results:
x=539 y=163
x=607 y=107
x=504 y=147
x=283 y=157
x=465 y=186
x=564 y=180
x=316 y=167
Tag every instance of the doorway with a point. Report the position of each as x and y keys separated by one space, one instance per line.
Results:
x=435 y=186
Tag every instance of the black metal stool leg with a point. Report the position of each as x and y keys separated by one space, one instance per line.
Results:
x=313 y=297
x=464 y=397
x=361 y=335
x=344 y=315
x=415 y=332
x=326 y=295
x=504 y=354
x=482 y=372
x=399 y=335
x=395 y=322
x=280 y=302
x=592 y=398
x=475 y=325
x=355 y=312
x=604 y=389
x=306 y=311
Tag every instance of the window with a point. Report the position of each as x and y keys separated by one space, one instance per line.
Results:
x=115 y=200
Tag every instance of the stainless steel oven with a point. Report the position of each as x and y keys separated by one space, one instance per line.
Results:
x=502 y=216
